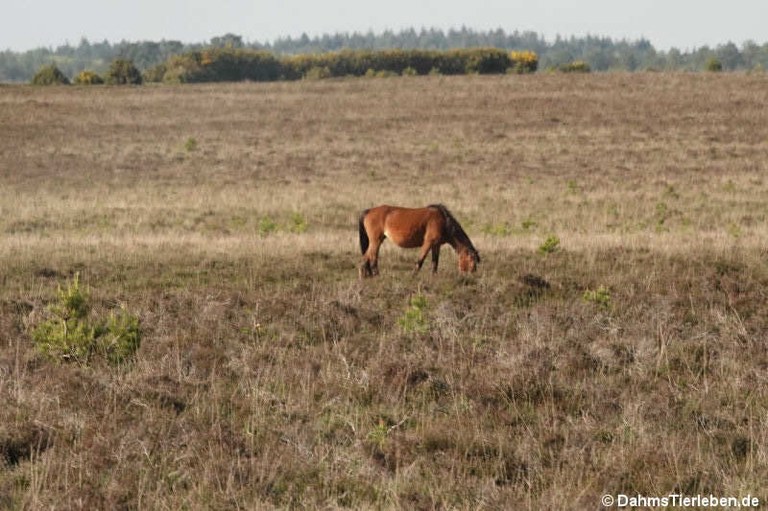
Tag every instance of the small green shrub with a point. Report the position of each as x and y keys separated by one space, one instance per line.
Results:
x=601 y=297
x=191 y=144
x=414 y=319
x=497 y=229
x=377 y=436
x=671 y=192
x=298 y=223
x=410 y=71
x=120 y=337
x=88 y=77
x=50 y=75
x=267 y=226
x=662 y=214
x=70 y=335
x=66 y=335
x=550 y=245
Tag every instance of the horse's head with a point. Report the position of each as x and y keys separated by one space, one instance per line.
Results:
x=468 y=260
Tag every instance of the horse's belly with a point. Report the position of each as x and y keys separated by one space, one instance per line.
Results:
x=405 y=240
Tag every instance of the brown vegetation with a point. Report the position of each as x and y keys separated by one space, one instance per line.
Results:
x=629 y=357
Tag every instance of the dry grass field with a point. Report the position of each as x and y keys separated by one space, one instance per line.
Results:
x=631 y=358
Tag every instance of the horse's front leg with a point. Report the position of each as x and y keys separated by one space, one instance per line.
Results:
x=435 y=257
x=422 y=255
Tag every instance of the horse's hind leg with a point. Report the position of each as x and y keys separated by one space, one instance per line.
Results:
x=370 y=266
x=365 y=268
x=373 y=255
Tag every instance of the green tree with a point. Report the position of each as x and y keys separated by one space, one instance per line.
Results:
x=227 y=41
x=729 y=56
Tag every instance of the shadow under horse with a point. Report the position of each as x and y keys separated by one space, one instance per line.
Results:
x=426 y=228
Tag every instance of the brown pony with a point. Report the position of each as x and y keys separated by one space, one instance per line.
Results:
x=426 y=228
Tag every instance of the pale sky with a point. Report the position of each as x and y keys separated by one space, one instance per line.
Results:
x=684 y=24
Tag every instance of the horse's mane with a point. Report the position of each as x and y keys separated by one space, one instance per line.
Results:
x=456 y=231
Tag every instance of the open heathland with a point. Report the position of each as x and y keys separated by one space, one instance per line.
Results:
x=612 y=341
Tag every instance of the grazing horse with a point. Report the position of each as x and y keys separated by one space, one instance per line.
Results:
x=425 y=228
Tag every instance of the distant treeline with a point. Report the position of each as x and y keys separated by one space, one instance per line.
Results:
x=599 y=53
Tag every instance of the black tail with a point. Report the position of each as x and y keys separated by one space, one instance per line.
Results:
x=363 y=234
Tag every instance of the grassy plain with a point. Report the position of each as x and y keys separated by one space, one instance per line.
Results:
x=631 y=360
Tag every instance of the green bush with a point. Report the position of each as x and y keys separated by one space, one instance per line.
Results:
x=88 y=77
x=66 y=335
x=223 y=65
x=485 y=60
x=523 y=62
x=450 y=62
x=550 y=245
x=601 y=297
x=577 y=66
x=123 y=72
x=154 y=74
x=119 y=337
x=499 y=229
x=299 y=224
x=267 y=226
x=50 y=75
x=382 y=73
x=714 y=65
x=190 y=144
x=69 y=333
x=227 y=64
x=414 y=319
x=317 y=73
